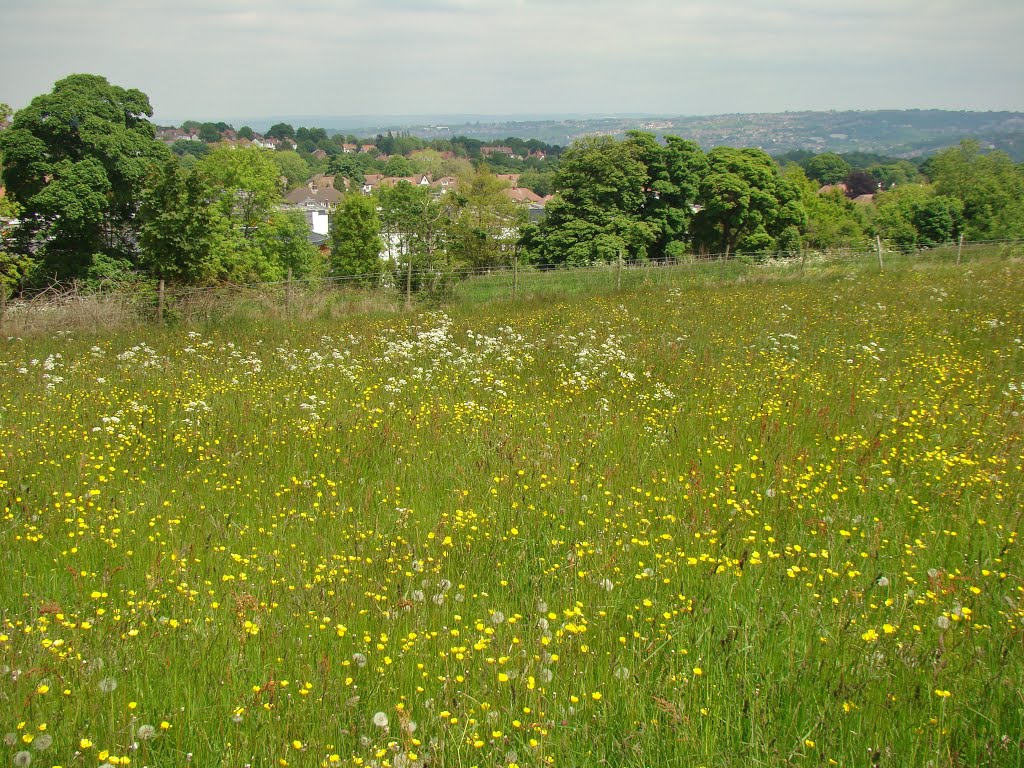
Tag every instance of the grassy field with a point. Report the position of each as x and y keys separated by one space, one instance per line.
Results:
x=737 y=521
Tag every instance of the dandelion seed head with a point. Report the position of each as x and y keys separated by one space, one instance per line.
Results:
x=108 y=685
x=380 y=720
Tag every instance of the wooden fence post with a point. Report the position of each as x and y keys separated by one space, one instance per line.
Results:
x=515 y=273
x=618 y=273
x=160 y=302
x=288 y=294
x=408 y=284
x=959 y=248
x=878 y=246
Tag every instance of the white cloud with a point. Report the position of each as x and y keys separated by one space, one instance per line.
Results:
x=256 y=57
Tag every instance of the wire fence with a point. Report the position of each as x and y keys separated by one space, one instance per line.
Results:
x=63 y=305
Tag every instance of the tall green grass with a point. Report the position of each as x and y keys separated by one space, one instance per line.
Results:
x=735 y=515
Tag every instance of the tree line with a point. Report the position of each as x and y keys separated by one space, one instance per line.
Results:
x=646 y=199
x=97 y=198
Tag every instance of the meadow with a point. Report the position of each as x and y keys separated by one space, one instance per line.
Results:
x=720 y=522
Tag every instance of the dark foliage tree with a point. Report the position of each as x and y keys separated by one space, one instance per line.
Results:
x=744 y=203
x=77 y=159
x=280 y=131
x=827 y=168
x=179 y=227
x=860 y=183
x=596 y=212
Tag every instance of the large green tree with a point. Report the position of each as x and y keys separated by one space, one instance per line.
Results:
x=914 y=216
x=674 y=172
x=828 y=168
x=355 y=239
x=292 y=167
x=246 y=192
x=180 y=228
x=280 y=248
x=247 y=185
x=989 y=185
x=280 y=131
x=596 y=213
x=745 y=205
x=833 y=220
x=77 y=159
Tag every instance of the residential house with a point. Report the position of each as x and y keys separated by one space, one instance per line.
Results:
x=171 y=135
x=349 y=149
x=317 y=201
x=523 y=195
x=371 y=181
x=511 y=178
x=233 y=143
x=421 y=180
x=319 y=154
x=445 y=183
x=269 y=142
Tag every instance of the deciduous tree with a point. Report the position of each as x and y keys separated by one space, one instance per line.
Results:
x=77 y=159
x=486 y=222
x=355 y=239
x=596 y=212
x=989 y=185
x=179 y=227
x=828 y=168
x=744 y=202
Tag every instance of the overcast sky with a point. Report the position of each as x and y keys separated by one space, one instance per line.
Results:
x=213 y=59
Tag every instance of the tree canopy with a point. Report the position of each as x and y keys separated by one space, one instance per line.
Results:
x=355 y=239
x=988 y=185
x=595 y=214
x=77 y=160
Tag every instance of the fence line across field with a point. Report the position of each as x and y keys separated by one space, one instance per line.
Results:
x=602 y=267
x=504 y=281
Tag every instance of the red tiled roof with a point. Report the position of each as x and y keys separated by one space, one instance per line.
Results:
x=522 y=195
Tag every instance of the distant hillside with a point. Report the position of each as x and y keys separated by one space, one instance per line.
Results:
x=900 y=133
